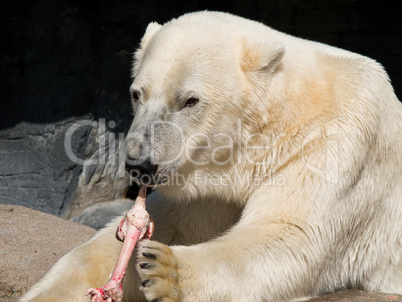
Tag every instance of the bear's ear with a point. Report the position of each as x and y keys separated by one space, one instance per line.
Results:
x=262 y=56
x=151 y=30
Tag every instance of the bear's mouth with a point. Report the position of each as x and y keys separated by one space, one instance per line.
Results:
x=144 y=178
x=145 y=173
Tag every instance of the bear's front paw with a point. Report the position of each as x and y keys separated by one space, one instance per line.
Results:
x=158 y=272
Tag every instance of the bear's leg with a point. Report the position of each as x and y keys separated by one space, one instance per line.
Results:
x=91 y=264
x=266 y=263
x=133 y=227
x=88 y=265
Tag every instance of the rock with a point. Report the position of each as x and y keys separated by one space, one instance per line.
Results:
x=64 y=167
x=103 y=176
x=98 y=215
x=35 y=170
x=31 y=242
x=356 y=296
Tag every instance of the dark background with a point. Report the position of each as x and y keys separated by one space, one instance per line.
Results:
x=64 y=58
x=61 y=60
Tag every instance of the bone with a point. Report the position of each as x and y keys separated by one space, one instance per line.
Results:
x=135 y=226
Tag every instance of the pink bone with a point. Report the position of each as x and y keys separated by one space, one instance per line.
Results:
x=134 y=227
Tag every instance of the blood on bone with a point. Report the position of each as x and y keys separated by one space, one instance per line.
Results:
x=134 y=226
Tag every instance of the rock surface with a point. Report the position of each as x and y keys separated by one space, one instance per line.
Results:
x=102 y=176
x=35 y=170
x=31 y=242
x=356 y=296
x=62 y=168
x=98 y=215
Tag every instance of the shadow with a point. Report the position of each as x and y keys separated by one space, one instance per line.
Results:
x=69 y=58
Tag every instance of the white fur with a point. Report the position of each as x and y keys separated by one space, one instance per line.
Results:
x=329 y=214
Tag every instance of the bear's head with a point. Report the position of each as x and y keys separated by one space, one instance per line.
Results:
x=197 y=80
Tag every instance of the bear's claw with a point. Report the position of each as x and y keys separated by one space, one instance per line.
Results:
x=149 y=256
x=157 y=269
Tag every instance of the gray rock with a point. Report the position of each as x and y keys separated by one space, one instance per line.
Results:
x=35 y=171
x=357 y=296
x=103 y=177
x=98 y=215
x=62 y=168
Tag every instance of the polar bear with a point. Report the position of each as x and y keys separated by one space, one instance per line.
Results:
x=277 y=169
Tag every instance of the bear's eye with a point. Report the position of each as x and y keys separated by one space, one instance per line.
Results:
x=191 y=102
x=135 y=95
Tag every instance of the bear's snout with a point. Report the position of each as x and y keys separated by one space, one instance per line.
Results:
x=142 y=170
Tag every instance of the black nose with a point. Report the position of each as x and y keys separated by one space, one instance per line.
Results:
x=143 y=167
